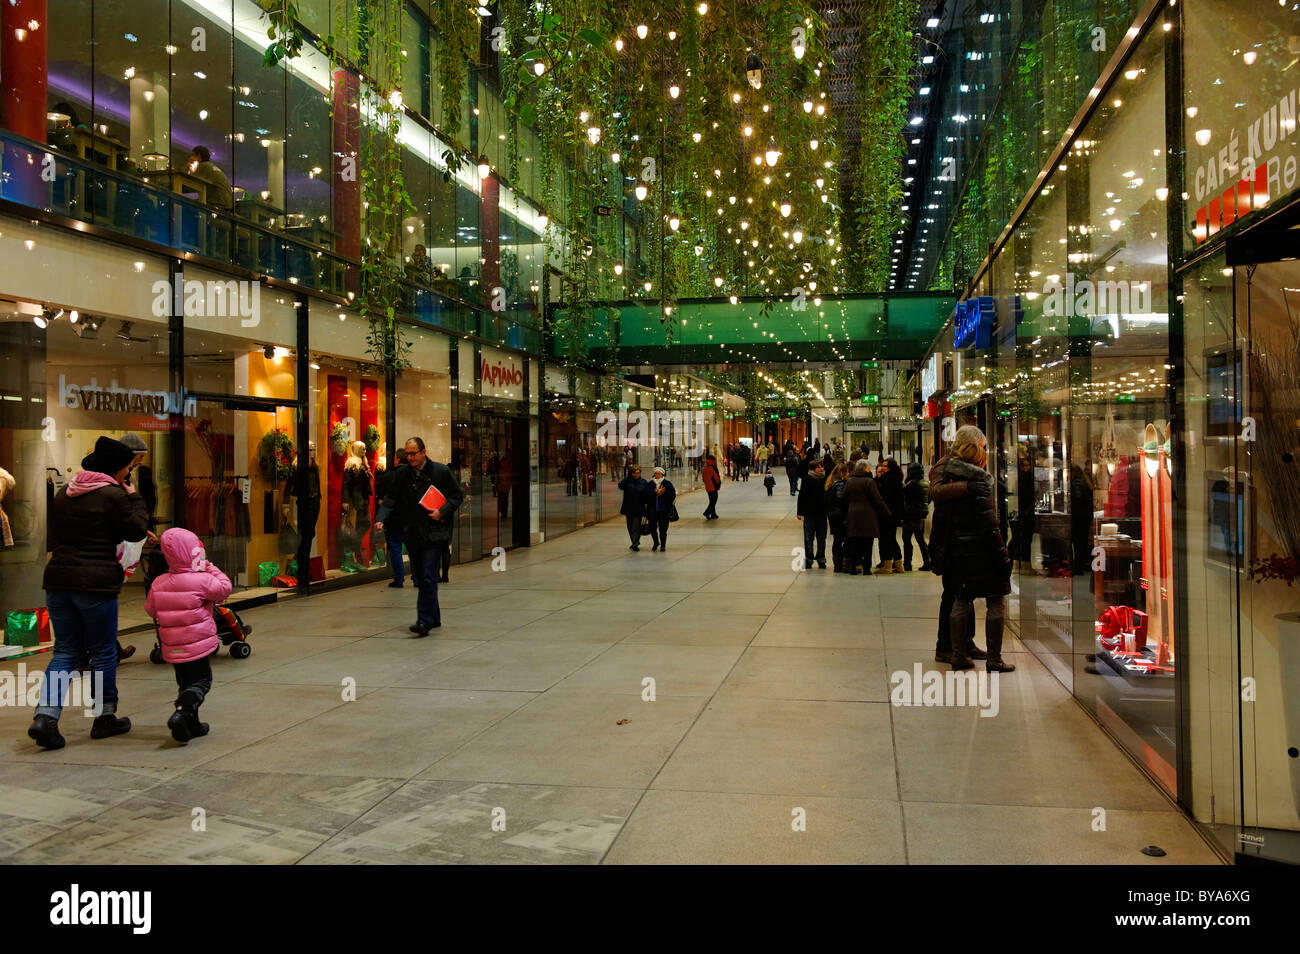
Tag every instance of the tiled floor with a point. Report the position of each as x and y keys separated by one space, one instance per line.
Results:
x=588 y=704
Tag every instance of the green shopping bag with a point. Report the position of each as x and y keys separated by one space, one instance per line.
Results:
x=266 y=571
x=22 y=628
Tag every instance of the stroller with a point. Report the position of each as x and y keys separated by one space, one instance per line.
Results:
x=232 y=630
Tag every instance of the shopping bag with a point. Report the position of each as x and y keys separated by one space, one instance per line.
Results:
x=282 y=580
x=22 y=628
x=128 y=555
x=672 y=513
x=316 y=569
x=645 y=526
x=265 y=572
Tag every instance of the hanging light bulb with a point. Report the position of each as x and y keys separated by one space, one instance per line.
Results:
x=797 y=236
x=699 y=251
x=616 y=157
x=674 y=91
x=733 y=299
x=813 y=144
x=648 y=286
x=696 y=137
x=593 y=134
x=807 y=105
x=820 y=182
x=641 y=191
x=772 y=154
x=702 y=9
x=731 y=199
x=618 y=268
x=484 y=166
x=543 y=220
x=743 y=225
x=674 y=221
x=539 y=67
x=754 y=71
x=618 y=45
x=785 y=210
x=642 y=30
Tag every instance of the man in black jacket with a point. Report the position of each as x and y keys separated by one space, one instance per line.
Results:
x=89 y=518
x=424 y=531
x=811 y=509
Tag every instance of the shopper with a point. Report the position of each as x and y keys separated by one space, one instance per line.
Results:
x=943 y=491
x=889 y=480
x=837 y=513
x=712 y=482
x=974 y=554
x=202 y=167
x=426 y=526
x=864 y=512
x=761 y=454
x=392 y=530
x=811 y=509
x=1022 y=527
x=659 y=507
x=636 y=490
x=83 y=577
x=916 y=507
x=181 y=601
x=792 y=464
x=768 y=480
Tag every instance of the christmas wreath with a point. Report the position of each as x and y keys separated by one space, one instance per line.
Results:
x=275 y=454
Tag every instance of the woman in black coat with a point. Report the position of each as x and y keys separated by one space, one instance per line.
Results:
x=973 y=554
x=635 y=494
x=659 y=497
x=890 y=484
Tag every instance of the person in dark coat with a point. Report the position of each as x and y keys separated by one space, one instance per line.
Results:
x=635 y=491
x=890 y=484
x=791 y=458
x=916 y=507
x=425 y=532
x=837 y=513
x=811 y=509
x=83 y=578
x=659 y=505
x=974 y=553
x=393 y=528
x=1022 y=527
x=866 y=509
x=660 y=494
x=943 y=490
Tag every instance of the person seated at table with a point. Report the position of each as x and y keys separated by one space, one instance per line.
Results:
x=60 y=135
x=201 y=166
x=419 y=268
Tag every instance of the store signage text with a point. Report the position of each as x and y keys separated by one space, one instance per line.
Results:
x=230 y=299
x=1263 y=177
x=501 y=375
x=119 y=400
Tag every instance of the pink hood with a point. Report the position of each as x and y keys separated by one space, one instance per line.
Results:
x=87 y=480
x=181 y=599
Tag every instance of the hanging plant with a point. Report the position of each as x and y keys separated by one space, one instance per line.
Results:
x=275 y=455
x=372 y=438
x=339 y=439
x=282 y=31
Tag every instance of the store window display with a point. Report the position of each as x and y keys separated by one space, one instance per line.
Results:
x=354 y=525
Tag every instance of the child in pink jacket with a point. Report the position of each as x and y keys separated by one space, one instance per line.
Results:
x=181 y=600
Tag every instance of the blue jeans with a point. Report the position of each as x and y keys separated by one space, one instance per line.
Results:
x=425 y=562
x=84 y=624
x=394 y=535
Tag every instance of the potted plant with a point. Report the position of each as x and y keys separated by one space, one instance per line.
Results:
x=339 y=439
x=275 y=455
x=1277 y=454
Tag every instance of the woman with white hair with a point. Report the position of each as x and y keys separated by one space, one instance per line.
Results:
x=358 y=488
x=659 y=507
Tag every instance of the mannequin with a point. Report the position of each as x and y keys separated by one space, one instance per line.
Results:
x=378 y=547
x=358 y=487
x=309 y=508
x=7 y=485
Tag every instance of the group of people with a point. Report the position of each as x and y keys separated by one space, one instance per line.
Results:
x=648 y=506
x=101 y=514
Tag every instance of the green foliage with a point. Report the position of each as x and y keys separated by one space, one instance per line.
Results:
x=283 y=32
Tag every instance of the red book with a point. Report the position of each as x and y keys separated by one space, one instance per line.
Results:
x=433 y=500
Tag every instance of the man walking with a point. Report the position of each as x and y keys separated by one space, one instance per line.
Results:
x=425 y=496
x=811 y=509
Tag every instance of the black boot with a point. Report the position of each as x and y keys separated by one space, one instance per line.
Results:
x=179 y=725
x=45 y=732
x=108 y=724
x=994 y=662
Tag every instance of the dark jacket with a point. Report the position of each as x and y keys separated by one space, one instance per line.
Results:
x=811 y=504
x=383 y=486
x=634 y=496
x=659 y=504
x=419 y=529
x=966 y=528
x=890 y=485
x=866 y=507
x=84 y=534
x=916 y=501
x=837 y=506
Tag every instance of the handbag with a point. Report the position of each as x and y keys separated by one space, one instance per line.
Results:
x=645 y=526
x=27 y=627
x=672 y=513
x=346 y=535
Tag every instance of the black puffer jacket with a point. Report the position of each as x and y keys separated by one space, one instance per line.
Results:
x=916 y=501
x=890 y=484
x=966 y=528
x=84 y=534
